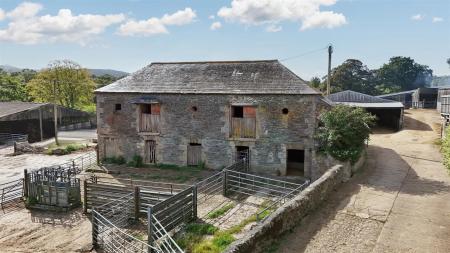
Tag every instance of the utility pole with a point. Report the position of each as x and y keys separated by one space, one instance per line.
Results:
x=330 y=51
x=55 y=113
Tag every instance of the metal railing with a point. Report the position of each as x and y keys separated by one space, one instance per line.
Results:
x=9 y=139
x=11 y=191
x=77 y=164
x=263 y=214
x=160 y=237
x=109 y=230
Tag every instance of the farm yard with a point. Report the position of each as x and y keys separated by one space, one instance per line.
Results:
x=215 y=206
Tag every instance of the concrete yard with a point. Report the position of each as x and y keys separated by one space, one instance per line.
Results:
x=399 y=203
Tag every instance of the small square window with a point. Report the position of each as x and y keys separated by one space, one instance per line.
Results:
x=118 y=107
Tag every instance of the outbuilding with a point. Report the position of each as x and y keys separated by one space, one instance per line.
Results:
x=389 y=113
x=36 y=119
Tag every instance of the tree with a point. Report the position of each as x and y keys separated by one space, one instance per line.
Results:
x=104 y=80
x=64 y=82
x=403 y=73
x=343 y=132
x=12 y=88
x=448 y=61
x=316 y=83
x=352 y=75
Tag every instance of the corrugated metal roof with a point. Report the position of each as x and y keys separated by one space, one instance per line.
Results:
x=8 y=108
x=396 y=93
x=223 y=77
x=353 y=98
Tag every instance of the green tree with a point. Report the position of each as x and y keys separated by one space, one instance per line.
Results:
x=343 y=132
x=403 y=73
x=352 y=75
x=104 y=80
x=12 y=88
x=316 y=83
x=64 y=82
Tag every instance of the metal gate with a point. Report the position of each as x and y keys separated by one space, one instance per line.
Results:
x=243 y=158
x=150 y=151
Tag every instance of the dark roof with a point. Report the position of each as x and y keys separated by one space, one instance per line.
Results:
x=220 y=77
x=8 y=108
x=354 y=98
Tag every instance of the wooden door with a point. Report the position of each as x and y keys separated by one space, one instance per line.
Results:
x=194 y=154
x=150 y=152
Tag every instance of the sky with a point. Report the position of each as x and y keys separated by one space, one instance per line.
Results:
x=130 y=34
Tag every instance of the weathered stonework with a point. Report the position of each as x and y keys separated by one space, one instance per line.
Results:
x=210 y=126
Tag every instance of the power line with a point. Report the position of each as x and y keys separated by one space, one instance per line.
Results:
x=303 y=54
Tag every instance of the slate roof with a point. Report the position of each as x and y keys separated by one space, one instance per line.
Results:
x=353 y=98
x=8 y=108
x=214 y=77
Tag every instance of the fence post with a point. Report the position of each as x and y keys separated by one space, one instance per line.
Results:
x=96 y=153
x=224 y=181
x=94 y=229
x=25 y=183
x=149 y=228
x=73 y=167
x=194 y=202
x=85 y=197
x=137 y=203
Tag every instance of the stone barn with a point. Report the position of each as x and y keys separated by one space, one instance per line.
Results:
x=389 y=113
x=191 y=113
x=36 y=119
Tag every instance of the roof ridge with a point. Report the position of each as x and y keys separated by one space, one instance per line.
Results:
x=200 y=62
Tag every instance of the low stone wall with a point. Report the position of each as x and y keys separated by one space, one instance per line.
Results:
x=291 y=213
x=322 y=162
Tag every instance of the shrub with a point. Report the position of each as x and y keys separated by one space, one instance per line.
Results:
x=136 y=162
x=343 y=132
x=445 y=149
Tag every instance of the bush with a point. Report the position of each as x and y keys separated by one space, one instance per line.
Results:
x=136 y=162
x=343 y=132
x=445 y=149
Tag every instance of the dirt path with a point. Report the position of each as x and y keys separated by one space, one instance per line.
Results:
x=399 y=203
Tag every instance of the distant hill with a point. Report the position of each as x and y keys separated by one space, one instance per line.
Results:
x=111 y=72
x=96 y=72
x=9 y=68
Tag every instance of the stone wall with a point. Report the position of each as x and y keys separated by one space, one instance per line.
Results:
x=209 y=125
x=291 y=213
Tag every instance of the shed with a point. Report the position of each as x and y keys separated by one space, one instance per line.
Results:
x=389 y=113
x=425 y=98
x=36 y=119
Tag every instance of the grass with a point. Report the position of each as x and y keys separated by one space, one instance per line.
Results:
x=221 y=211
x=205 y=238
x=64 y=148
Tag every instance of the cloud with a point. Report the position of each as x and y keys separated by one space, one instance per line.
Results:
x=437 y=19
x=25 y=26
x=215 y=26
x=212 y=17
x=153 y=26
x=274 y=28
x=417 y=17
x=269 y=12
x=2 y=14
